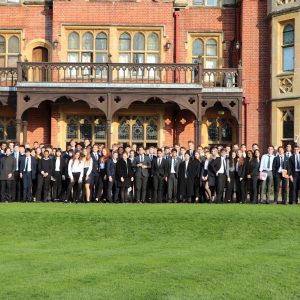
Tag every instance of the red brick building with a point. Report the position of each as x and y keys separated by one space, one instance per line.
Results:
x=147 y=71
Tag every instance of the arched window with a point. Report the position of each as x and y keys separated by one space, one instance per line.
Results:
x=125 y=42
x=153 y=42
x=2 y=44
x=138 y=42
x=100 y=128
x=73 y=41
x=288 y=48
x=11 y=130
x=288 y=124
x=85 y=129
x=101 y=41
x=197 y=48
x=13 y=44
x=87 y=41
x=138 y=131
x=124 y=131
x=72 y=129
x=151 y=130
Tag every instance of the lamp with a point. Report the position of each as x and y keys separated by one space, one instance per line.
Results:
x=237 y=45
x=168 y=45
x=55 y=44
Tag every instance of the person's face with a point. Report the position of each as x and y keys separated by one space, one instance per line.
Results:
x=240 y=153
x=228 y=149
x=35 y=145
x=11 y=146
x=197 y=155
x=233 y=155
x=72 y=144
x=270 y=150
x=86 y=143
x=223 y=153
x=33 y=153
x=214 y=152
x=46 y=154
x=3 y=146
x=115 y=156
x=297 y=150
x=160 y=154
x=77 y=155
x=174 y=154
x=280 y=151
x=134 y=147
x=95 y=149
x=288 y=148
x=8 y=152
x=16 y=149
x=191 y=146
x=27 y=154
x=50 y=150
x=124 y=155
x=235 y=148
x=141 y=151
x=58 y=153
x=186 y=157
x=257 y=153
x=38 y=151
x=22 y=150
x=182 y=151
x=151 y=150
x=243 y=148
x=207 y=155
x=131 y=153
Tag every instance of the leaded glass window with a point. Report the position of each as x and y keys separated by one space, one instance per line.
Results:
x=152 y=130
x=100 y=129
x=198 y=48
x=153 y=42
x=72 y=129
x=137 y=131
x=9 y=50
x=87 y=41
x=8 y=129
x=139 y=41
x=226 y=131
x=73 y=42
x=288 y=48
x=2 y=44
x=288 y=123
x=124 y=131
x=101 y=41
x=213 y=131
x=125 y=42
x=86 y=130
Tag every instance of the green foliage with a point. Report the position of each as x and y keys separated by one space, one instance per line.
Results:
x=56 y=251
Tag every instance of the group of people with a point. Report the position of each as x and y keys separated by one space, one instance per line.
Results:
x=93 y=173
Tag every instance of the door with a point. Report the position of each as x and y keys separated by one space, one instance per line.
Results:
x=40 y=54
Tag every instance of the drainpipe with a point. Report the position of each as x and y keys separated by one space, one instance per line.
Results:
x=246 y=122
x=176 y=40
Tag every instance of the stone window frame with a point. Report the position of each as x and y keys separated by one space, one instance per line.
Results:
x=7 y=36
x=285 y=46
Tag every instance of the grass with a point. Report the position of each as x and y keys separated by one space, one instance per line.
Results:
x=56 y=251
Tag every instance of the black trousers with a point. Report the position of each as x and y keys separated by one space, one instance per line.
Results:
x=141 y=188
x=221 y=181
x=6 y=190
x=230 y=187
x=74 y=188
x=254 y=187
x=43 y=188
x=277 y=180
x=94 y=185
x=27 y=186
x=296 y=186
x=57 y=185
x=113 y=190
x=240 y=190
x=17 y=187
x=158 y=189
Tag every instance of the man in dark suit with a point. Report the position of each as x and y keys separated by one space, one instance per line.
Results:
x=219 y=166
x=191 y=149
x=28 y=170
x=288 y=154
x=142 y=165
x=159 y=173
x=59 y=175
x=186 y=175
x=95 y=172
x=294 y=173
x=280 y=171
x=7 y=169
x=172 y=176
x=16 y=188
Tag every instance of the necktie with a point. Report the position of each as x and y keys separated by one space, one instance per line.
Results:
x=26 y=165
x=186 y=166
x=159 y=162
x=281 y=162
x=269 y=162
x=298 y=162
x=96 y=156
x=224 y=165
x=142 y=158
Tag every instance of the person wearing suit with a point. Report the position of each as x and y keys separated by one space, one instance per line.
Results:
x=142 y=165
x=7 y=173
x=294 y=173
x=16 y=187
x=219 y=166
x=240 y=177
x=186 y=175
x=124 y=176
x=288 y=154
x=112 y=188
x=197 y=165
x=252 y=173
x=159 y=172
x=95 y=172
x=280 y=171
x=208 y=177
x=28 y=170
x=231 y=174
x=58 y=175
x=45 y=171
x=191 y=149
x=172 y=176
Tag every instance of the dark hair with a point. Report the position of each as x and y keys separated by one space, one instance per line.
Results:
x=174 y=150
x=159 y=150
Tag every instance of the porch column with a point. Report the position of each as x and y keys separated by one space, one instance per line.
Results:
x=18 y=130
x=108 y=133
x=240 y=137
x=197 y=125
x=25 y=125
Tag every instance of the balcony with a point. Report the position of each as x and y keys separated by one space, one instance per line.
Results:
x=280 y=6
x=126 y=74
x=8 y=77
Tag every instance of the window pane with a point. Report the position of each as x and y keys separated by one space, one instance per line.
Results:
x=211 y=63
x=1 y=132
x=138 y=41
x=152 y=58
x=213 y=131
x=211 y=2
x=123 y=131
x=197 y=47
x=12 y=61
x=100 y=129
x=88 y=41
x=288 y=123
x=101 y=57
x=226 y=133
x=86 y=57
x=72 y=130
x=73 y=57
x=211 y=48
x=288 y=59
x=124 y=58
x=13 y=45
x=73 y=42
x=153 y=42
x=101 y=41
x=137 y=131
x=288 y=35
x=198 y=2
x=138 y=58
x=125 y=41
x=2 y=61
x=2 y=44
x=86 y=130
x=11 y=131
x=151 y=131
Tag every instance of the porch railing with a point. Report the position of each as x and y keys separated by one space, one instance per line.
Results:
x=8 y=76
x=129 y=73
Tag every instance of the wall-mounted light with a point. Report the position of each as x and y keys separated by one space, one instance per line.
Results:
x=237 y=45
x=221 y=112
x=55 y=44
x=168 y=45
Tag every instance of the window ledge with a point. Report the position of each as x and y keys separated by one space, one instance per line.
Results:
x=285 y=74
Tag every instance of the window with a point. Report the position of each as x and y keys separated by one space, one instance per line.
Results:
x=288 y=48
x=288 y=124
x=139 y=47
x=86 y=127
x=219 y=130
x=87 y=47
x=10 y=1
x=9 y=50
x=7 y=129
x=138 y=130
x=206 y=2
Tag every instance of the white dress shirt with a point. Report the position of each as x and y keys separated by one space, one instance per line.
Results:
x=28 y=162
x=57 y=164
x=264 y=162
x=75 y=166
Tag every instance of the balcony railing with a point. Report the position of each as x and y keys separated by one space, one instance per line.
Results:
x=8 y=76
x=129 y=73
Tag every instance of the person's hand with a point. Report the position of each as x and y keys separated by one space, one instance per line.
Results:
x=21 y=175
x=105 y=177
x=9 y=175
x=241 y=179
x=291 y=178
x=63 y=177
x=72 y=180
x=132 y=178
x=144 y=167
x=122 y=179
x=248 y=176
x=80 y=181
x=228 y=179
x=166 y=178
x=110 y=179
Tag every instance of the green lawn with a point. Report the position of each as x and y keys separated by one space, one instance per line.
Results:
x=56 y=251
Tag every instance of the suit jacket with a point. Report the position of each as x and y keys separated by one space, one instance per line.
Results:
x=17 y=162
x=7 y=166
x=62 y=165
x=292 y=166
x=241 y=170
x=159 y=170
x=252 y=167
x=95 y=163
x=110 y=168
x=142 y=172
x=190 y=180
x=178 y=161
x=33 y=166
x=276 y=164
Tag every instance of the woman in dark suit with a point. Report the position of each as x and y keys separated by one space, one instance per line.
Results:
x=240 y=178
x=253 y=176
x=208 y=177
x=231 y=174
x=110 y=166
x=197 y=165
x=124 y=175
x=249 y=158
